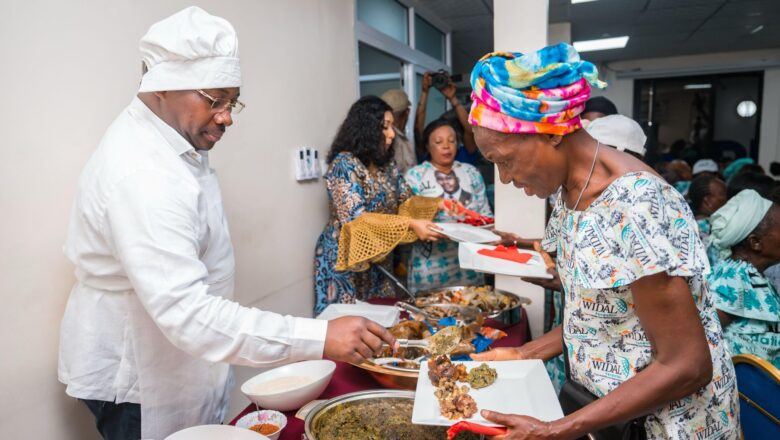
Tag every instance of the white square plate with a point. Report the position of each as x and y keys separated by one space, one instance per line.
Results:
x=470 y=258
x=466 y=233
x=522 y=387
x=386 y=316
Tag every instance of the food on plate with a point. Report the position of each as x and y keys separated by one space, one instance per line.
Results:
x=483 y=297
x=481 y=376
x=454 y=401
x=408 y=330
x=444 y=341
x=379 y=419
x=441 y=368
x=281 y=384
x=264 y=428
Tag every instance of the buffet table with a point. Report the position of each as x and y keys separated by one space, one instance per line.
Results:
x=348 y=378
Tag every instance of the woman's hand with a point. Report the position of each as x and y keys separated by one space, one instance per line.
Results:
x=426 y=82
x=553 y=284
x=500 y=354
x=520 y=427
x=425 y=230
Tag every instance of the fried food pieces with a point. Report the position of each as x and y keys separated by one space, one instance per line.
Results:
x=454 y=400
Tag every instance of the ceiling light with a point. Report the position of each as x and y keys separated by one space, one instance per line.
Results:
x=601 y=44
x=747 y=108
x=757 y=29
x=697 y=86
x=574 y=2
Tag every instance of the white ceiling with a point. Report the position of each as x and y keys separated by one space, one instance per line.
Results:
x=656 y=28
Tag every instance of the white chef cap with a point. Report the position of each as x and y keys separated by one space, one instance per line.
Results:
x=618 y=131
x=190 y=50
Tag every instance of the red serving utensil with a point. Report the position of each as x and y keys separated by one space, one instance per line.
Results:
x=475 y=428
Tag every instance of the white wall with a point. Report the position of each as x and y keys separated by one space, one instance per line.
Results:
x=521 y=26
x=769 y=144
x=68 y=69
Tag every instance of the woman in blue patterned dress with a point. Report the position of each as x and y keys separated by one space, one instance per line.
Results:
x=640 y=332
x=747 y=231
x=436 y=265
x=364 y=183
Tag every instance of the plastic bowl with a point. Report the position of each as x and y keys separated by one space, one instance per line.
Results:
x=264 y=416
x=293 y=397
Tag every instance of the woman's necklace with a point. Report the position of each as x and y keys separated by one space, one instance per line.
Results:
x=592 y=167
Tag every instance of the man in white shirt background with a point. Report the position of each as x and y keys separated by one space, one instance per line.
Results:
x=150 y=329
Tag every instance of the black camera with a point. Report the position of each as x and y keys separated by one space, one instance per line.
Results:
x=441 y=78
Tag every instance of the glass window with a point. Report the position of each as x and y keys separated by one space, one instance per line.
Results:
x=379 y=71
x=386 y=16
x=436 y=105
x=428 y=39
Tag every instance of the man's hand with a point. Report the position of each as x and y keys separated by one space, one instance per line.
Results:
x=512 y=239
x=354 y=339
x=500 y=354
x=553 y=284
x=520 y=427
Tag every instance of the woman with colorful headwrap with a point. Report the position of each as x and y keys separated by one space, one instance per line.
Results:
x=747 y=231
x=639 y=328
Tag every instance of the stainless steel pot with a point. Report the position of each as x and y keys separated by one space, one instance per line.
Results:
x=318 y=414
x=507 y=317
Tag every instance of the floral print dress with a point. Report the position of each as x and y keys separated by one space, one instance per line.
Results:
x=434 y=265
x=352 y=191
x=637 y=227
x=743 y=292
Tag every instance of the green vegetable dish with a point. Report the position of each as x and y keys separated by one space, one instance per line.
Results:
x=481 y=376
x=378 y=419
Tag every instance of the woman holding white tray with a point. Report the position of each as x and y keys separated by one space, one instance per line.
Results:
x=640 y=335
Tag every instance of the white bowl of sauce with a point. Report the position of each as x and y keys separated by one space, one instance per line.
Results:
x=291 y=386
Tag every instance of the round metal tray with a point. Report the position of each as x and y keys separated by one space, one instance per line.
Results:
x=392 y=377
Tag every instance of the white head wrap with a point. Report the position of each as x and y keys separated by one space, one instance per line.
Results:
x=703 y=165
x=735 y=220
x=190 y=50
x=618 y=131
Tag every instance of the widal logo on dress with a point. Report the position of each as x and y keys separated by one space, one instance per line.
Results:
x=712 y=428
x=604 y=307
x=610 y=367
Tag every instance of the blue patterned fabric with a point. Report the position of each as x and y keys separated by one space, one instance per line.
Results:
x=744 y=293
x=353 y=190
x=638 y=226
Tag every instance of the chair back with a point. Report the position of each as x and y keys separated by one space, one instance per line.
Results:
x=758 y=382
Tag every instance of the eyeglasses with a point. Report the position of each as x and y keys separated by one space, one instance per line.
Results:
x=222 y=104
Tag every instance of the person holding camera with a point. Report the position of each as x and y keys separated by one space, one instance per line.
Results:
x=467 y=152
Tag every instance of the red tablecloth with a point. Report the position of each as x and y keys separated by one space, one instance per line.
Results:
x=348 y=378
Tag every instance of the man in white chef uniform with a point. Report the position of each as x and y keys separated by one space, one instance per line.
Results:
x=150 y=328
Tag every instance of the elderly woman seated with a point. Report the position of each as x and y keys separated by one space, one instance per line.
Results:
x=747 y=231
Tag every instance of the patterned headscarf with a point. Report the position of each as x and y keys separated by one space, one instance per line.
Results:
x=540 y=92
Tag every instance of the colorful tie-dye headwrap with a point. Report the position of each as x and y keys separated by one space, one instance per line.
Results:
x=541 y=92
